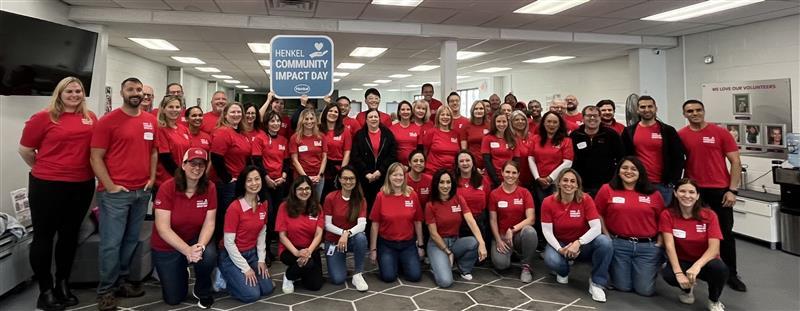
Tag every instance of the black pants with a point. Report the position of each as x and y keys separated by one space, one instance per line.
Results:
x=715 y=273
x=275 y=197
x=57 y=207
x=539 y=193
x=310 y=274
x=332 y=168
x=727 y=247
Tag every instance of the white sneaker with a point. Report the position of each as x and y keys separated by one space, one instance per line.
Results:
x=526 y=276
x=467 y=276
x=562 y=279
x=597 y=292
x=360 y=283
x=687 y=298
x=716 y=306
x=288 y=286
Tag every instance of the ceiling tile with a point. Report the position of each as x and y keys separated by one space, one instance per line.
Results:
x=341 y=10
x=143 y=4
x=627 y=27
x=552 y=22
x=385 y=12
x=648 y=8
x=429 y=15
x=761 y=17
x=193 y=5
x=591 y=24
x=470 y=18
x=747 y=11
x=600 y=8
x=511 y=20
x=697 y=29
x=665 y=28
x=255 y=7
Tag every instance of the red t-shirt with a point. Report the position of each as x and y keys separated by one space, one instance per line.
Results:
x=690 y=235
x=396 y=215
x=273 y=152
x=705 y=155
x=510 y=207
x=309 y=152
x=246 y=224
x=549 y=157
x=210 y=122
x=375 y=141
x=524 y=147
x=573 y=121
x=187 y=215
x=336 y=207
x=441 y=148
x=62 y=148
x=337 y=145
x=500 y=151
x=300 y=230
x=351 y=124
x=256 y=137
x=125 y=138
x=286 y=129
x=570 y=221
x=629 y=213
x=459 y=125
x=407 y=138
x=202 y=140
x=475 y=198
x=421 y=187
x=182 y=116
x=447 y=215
x=361 y=119
x=474 y=134
x=434 y=104
x=234 y=147
x=174 y=141
x=648 y=144
x=617 y=127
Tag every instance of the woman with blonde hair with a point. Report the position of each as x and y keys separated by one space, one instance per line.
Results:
x=55 y=143
x=441 y=143
x=172 y=139
x=309 y=150
x=396 y=235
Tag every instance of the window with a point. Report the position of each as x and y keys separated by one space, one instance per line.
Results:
x=468 y=96
x=416 y=97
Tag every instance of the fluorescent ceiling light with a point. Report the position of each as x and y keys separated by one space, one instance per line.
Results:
x=249 y=90
x=350 y=65
x=364 y=51
x=269 y=72
x=207 y=69
x=155 y=44
x=232 y=81
x=382 y=81
x=356 y=89
x=242 y=87
x=370 y=84
x=393 y=90
x=259 y=48
x=423 y=68
x=397 y=2
x=264 y=62
x=548 y=59
x=399 y=76
x=699 y=9
x=462 y=77
x=222 y=76
x=549 y=7
x=337 y=80
x=462 y=55
x=412 y=85
x=188 y=60
x=340 y=74
x=493 y=69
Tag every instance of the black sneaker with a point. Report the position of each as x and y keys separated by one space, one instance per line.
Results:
x=129 y=290
x=205 y=302
x=736 y=284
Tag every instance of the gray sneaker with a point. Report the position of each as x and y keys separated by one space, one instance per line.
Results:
x=526 y=276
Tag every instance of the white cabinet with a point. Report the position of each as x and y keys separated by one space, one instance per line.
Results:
x=15 y=266
x=757 y=219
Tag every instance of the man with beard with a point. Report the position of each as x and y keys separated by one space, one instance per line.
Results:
x=494 y=104
x=597 y=149
x=218 y=102
x=572 y=115
x=657 y=145
x=147 y=100
x=433 y=103
x=607 y=110
x=559 y=106
x=124 y=158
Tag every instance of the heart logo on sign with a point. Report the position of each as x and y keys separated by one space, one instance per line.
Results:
x=318 y=46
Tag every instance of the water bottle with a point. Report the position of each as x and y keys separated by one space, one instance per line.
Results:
x=793 y=145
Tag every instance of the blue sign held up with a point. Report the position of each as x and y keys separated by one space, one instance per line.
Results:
x=301 y=65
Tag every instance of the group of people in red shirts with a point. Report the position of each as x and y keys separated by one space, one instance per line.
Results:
x=456 y=189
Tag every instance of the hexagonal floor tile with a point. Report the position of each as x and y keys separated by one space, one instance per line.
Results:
x=497 y=296
x=384 y=302
x=443 y=300
x=324 y=304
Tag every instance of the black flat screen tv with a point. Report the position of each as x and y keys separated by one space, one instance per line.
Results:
x=36 y=54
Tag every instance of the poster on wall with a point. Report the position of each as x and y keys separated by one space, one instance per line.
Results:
x=741 y=104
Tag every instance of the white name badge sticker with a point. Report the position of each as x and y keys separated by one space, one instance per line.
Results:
x=148 y=135
x=581 y=145
x=502 y=204
x=494 y=145
x=678 y=233
x=303 y=148
x=618 y=200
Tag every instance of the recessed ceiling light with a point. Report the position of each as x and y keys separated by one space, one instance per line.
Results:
x=548 y=59
x=222 y=76
x=423 y=68
x=249 y=90
x=382 y=81
x=269 y=72
x=399 y=76
x=493 y=69
x=242 y=87
x=412 y=85
x=462 y=77
x=462 y=55
x=356 y=89
x=364 y=51
x=155 y=44
x=207 y=69
x=259 y=48
x=350 y=65
x=188 y=60
x=337 y=80
x=340 y=74
x=397 y=2
x=549 y=7
x=699 y=9
x=232 y=81
x=370 y=84
x=264 y=62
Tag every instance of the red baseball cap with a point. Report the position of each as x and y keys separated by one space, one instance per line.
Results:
x=195 y=153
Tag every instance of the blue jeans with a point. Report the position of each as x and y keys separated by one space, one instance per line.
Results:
x=236 y=283
x=171 y=267
x=394 y=255
x=635 y=265
x=599 y=251
x=121 y=216
x=465 y=252
x=666 y=192
x=337 y=263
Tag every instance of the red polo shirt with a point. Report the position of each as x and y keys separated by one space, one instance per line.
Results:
x=187 y=215
x=246 y=222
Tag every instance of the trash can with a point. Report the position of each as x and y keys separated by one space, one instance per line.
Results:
x=790 y=230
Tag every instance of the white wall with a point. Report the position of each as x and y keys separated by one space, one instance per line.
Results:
x=123 y=65
x=193 y=88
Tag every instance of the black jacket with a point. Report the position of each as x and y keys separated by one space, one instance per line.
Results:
x=673 y=152
x=596 y=157
x=364 y=160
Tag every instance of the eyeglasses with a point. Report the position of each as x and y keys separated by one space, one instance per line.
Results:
x=197 y=164
x=303 y=189
x=591 y=116
x=147 y=95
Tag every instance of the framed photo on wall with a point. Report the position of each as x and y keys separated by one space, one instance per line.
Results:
x=752 y=134
x=735 y=130
x=775 y=135
x=741 y=104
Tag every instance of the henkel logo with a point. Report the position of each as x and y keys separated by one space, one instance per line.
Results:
x=425 y=190
x=518 y=201
x=408 y=203
x=453 y=140
x=575 y=214
x=412 y=134
x=302 y=88
x=317 y=143
x=709 y=140
x=262 y=215
x=644 y=199
x=204 y=141
x=281 y=147
x=147 y=125
x=202 y=203
x=701 y=228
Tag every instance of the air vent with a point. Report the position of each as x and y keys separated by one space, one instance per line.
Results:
x=301 y=8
